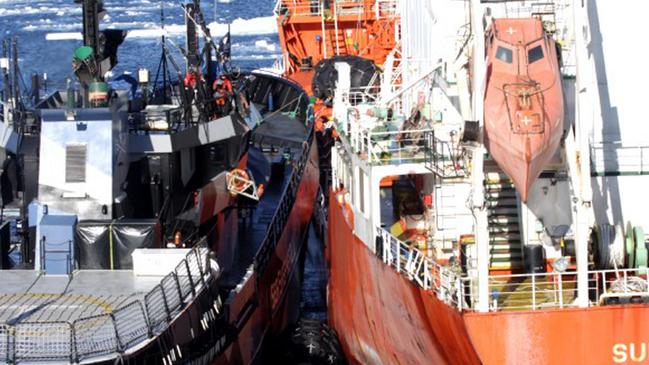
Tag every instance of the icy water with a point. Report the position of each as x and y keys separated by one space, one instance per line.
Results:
x=49 y=30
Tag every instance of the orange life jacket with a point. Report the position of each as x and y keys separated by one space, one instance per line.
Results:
x=224 y=89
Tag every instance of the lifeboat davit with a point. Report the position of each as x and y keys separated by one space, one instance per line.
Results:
x=523 y=105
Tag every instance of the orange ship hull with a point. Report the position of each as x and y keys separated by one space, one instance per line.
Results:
x=599 y=335
x=380 y=317
x=523 y=105
x=383 y=318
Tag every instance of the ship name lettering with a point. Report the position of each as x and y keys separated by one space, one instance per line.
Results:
x=632 y=352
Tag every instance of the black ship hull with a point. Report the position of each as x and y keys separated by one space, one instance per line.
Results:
x=231 y=316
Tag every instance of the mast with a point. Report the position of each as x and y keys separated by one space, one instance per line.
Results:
x=90 y=9
x=14 y=71
x=4 y=64
x=163 y=59
x=191 y=40
x=14 y=81
x=5 y=70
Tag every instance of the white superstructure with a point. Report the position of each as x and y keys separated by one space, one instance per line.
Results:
x=415 y=130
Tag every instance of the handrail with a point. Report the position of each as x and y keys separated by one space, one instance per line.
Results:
x=300 y=8
x=281 y=216
x=381 y=9
x=607 y=157
x=530 y=291
x=109 y=333
x=533 y=291
x=403 y=146
x=385 y=8
x=444 y=281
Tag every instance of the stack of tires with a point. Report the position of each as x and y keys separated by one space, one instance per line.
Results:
x=324 y=81
x=312 y=342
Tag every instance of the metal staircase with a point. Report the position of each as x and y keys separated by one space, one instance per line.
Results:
x=336 y=43
x=505 y=247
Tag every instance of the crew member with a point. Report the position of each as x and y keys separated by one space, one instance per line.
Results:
x=223 y=95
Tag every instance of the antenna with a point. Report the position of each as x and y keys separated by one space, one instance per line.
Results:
x=163 y=59
x=162 y=65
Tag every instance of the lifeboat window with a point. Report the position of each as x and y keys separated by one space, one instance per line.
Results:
x=504 y=54
x=534 y=54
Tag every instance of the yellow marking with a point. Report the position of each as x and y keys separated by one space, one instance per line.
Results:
x=78 y=298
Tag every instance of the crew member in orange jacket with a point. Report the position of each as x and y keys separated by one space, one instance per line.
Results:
x=223 y=95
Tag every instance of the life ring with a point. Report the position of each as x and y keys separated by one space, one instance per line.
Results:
x=238 y=180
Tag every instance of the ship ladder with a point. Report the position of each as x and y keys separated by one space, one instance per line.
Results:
x=505 y=248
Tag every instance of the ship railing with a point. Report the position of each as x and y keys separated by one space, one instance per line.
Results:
x=113 y=333
x=382 y=146
x=445 y=281
x=532 y=291
x=385 y=9
x=379 y=145
x=298 y=8
x=350 y=7
x=622 y=286
x=557 y=290
x=282 y=213
x=382 y=9
x=362 y=95
x=443 y=159
x=615 y=158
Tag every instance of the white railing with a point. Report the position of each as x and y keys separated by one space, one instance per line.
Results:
x=298 y=8
x=612 y=157
x=365 y=94
x=349 y=7
x=558 y=290
x=379 y=146
x=422 y=270
x=390 y=147
x=535 y=291
x=532 y=291
x=385 y=9
x=622 y=285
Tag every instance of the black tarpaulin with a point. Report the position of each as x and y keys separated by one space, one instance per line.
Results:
x=129 y=235
x=5 y=244
x=93 y=245
x=280 y=130
x=258 y=166
x=106 y=245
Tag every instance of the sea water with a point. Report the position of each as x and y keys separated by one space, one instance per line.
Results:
x=48 y=31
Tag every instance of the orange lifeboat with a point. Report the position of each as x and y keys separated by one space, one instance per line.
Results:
x=523 y=105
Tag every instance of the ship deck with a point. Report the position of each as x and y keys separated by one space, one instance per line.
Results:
x=529 y=292
x=28 y=296
x=254 y=227
x=278 y=137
